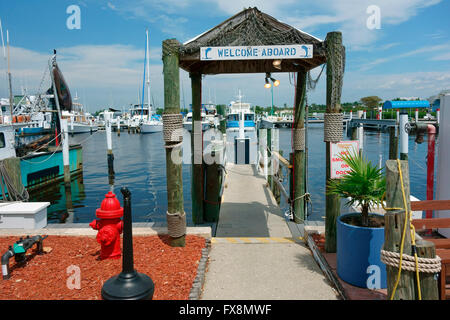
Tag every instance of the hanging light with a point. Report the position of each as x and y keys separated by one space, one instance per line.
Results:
x=267 y=85
x=277 y=64
x=276 y=83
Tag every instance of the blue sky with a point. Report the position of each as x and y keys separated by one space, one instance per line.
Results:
x=103 y=61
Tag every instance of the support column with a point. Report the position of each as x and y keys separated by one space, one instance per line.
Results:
x=197 y=181
x=176 y=218
x=65 y=145
x=299 y=169
x=109 y=152
x=404 y=135
x=335 y=68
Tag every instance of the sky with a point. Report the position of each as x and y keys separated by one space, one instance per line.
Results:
x=406 y=54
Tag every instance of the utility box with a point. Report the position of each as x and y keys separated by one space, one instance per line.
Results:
x=242 y=150
x=23 y=215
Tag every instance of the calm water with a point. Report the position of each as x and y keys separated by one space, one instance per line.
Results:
x=140 y=165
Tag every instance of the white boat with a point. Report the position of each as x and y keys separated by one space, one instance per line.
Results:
x=241 y=133
x=187 y=122
x=153 y=123
x=152 y=126
x=211 y=115
x=79 y=121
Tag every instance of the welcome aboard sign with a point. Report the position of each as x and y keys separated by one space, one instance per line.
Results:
x=303 y=51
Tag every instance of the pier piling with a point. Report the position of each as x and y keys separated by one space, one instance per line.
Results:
x=393 y=142
x=109 y=152
x=173 y=124
x=335 y=70
x=394 y=228
x=65 y=146
x=197 y=190
x=299 y=170
x=404 y=135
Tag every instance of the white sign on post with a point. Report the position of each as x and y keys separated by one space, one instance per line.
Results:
x=338 y=167
x=298 y=51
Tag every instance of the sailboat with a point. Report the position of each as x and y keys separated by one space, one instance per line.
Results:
x=153 y=122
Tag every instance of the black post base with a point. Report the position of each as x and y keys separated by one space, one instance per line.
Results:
x=128 y=286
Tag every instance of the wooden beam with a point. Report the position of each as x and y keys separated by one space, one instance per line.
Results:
x=433 y=223
x=430 y=205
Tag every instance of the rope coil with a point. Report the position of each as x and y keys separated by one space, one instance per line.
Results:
x=332 y=127
x=299 y=139
x=176 y=224
x=172 y=127
x=425 y=265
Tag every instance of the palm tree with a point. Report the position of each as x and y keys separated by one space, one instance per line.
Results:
x=364 y=184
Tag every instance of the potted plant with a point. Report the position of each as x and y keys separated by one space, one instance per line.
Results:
x=360 y=236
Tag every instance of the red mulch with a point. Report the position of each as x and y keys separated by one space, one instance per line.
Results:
x=44 y=277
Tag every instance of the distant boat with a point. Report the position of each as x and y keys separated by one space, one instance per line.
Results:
x=153 y=123
x=187 y=122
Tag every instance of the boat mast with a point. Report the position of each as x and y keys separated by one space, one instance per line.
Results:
x=4 y=53
x=148 y=76
x=9 y=78
x=143 y=85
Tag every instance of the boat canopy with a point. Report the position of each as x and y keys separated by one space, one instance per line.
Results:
x=401 y=104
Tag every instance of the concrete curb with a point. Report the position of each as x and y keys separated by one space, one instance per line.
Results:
x=204 y=232
x=199 y=280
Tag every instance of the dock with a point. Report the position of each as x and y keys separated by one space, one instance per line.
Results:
x=253 y=254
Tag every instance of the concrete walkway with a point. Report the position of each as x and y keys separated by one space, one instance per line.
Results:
x=254 y=255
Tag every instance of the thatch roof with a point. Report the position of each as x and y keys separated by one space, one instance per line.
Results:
x=250 y=27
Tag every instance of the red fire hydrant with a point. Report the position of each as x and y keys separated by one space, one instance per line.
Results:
x=109 y=226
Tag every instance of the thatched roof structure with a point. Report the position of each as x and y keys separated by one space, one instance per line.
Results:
x=250 y=27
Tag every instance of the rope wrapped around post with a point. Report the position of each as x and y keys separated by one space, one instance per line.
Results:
x=176 y=224
x=332 y=129
x=299 y=139
x=425 y=265
x=172 y=129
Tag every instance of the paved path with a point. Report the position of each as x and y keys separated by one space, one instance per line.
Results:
x=254 y=255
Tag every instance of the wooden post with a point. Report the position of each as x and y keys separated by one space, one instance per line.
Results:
x=299 y=155
x=428 y=281
x=393 y=142
x=393 y=229
x=197 y=178
x=269 y=158
x=174 y=176
x=354 y=133
x=118 y=125
x=333 y=42
x=212 y=189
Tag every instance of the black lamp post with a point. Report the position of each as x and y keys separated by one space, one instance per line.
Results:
x=129 y=284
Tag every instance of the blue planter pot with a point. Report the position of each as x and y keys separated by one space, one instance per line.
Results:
x=358 y=255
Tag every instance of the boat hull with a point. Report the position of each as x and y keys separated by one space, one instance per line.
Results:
x=82 y=128
x=151 y=128
x=44 y=168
